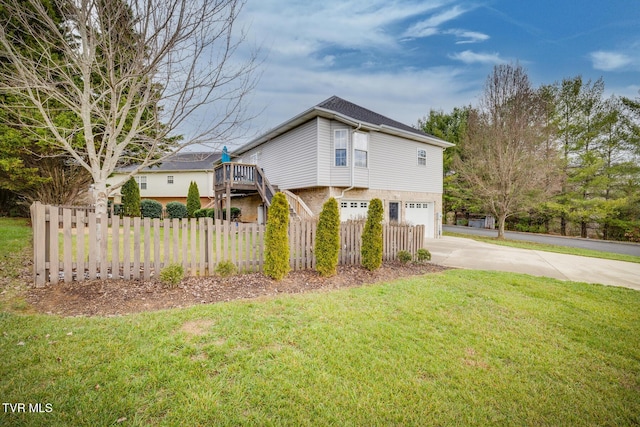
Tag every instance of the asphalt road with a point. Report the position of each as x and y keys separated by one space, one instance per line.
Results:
x=574 y=242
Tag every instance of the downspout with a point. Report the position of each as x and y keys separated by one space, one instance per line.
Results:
x=353 y=163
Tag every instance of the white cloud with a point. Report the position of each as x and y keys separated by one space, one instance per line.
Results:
x=469 y=57
x=294 y=29
x=468 y=36
x=429 y=27
x=609 y=61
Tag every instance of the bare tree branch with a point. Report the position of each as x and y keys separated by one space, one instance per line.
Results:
x=130 y=74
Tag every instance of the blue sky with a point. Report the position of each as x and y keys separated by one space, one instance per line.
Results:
x=403 y=58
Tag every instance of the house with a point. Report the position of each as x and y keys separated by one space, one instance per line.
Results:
x=339 y=149
x=169 y=181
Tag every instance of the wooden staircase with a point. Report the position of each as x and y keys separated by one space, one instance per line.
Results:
x=240 y=178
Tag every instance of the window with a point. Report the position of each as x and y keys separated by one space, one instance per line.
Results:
x=344 y=205
x=360 y=149
x=142 y=181
x=253 y=159
x=169 y=179
x=353 y=204
x=422 y=157
x=364 y=204
x=340 y=146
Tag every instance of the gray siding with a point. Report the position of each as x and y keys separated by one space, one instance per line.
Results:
x=290 y=160
x=325 y=153
x=393 y=165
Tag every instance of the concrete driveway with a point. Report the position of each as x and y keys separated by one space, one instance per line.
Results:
x=466 y=253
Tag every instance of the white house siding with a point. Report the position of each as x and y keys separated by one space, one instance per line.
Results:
x=158 y=187
x=393 y=165
x=289 y=160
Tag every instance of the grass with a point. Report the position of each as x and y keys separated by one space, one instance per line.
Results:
x=15 y=250
x=458 y=348
x=549 y=248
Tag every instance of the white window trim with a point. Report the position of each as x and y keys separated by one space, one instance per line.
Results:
x=142 y=181
x=419 y=157
x=361 y=144
x=346 y=147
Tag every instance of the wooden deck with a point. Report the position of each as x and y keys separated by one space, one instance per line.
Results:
x=230 y=178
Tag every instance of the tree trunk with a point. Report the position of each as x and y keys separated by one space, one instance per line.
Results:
x=501 y=221
x=563 y=225
x=583 y=229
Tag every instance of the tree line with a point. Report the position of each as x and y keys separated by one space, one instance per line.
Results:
x=560 y=158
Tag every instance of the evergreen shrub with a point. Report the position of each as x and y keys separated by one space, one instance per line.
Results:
x=130 y=198
x=150 y=208
x=276 y=263
x=176 y=210
x=327 y=245
x=372 y=236
x=193 y=199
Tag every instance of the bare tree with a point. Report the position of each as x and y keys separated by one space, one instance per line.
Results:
x=505 y=159
x=116 y=82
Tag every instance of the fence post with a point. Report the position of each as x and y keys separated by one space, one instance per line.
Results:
x=39 y=242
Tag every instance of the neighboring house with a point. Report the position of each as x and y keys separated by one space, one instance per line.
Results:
x=169 y=181
x=340 y=149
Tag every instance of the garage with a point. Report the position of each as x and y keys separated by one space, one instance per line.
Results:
x=420 y=213
x=353 y=209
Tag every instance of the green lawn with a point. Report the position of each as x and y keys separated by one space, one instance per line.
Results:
x=457 y=348
x=548 y=248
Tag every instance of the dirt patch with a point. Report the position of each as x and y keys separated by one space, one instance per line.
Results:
x=117 y=297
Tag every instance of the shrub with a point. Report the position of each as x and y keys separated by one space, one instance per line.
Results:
x=404 y=257
x=176 y=210
x=327 y=245
x=372 y=236
x=423 y=255
x=276 y=241
x=131 y=198
x=235 y=213
x=226 y=269
x=193 y=199
x=172 y=275
x=204 y=213
x=150 y=209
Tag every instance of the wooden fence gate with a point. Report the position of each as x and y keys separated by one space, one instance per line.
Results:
x=76 y=244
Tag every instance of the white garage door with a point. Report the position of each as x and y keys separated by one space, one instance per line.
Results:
x=420 y=213
x=353 y=209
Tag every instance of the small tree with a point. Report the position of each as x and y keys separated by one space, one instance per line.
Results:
x=131 y=198
x=327 y=245
x=276 y=263
x=193 y=199
x=372 y=236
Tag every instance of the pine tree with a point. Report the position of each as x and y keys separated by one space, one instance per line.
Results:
x=193 y=199
x=372 y=236
x=276 y=264
x=327 y=244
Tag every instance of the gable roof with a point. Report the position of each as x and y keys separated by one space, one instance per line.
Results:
x=339 y=109
x=185 y=161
